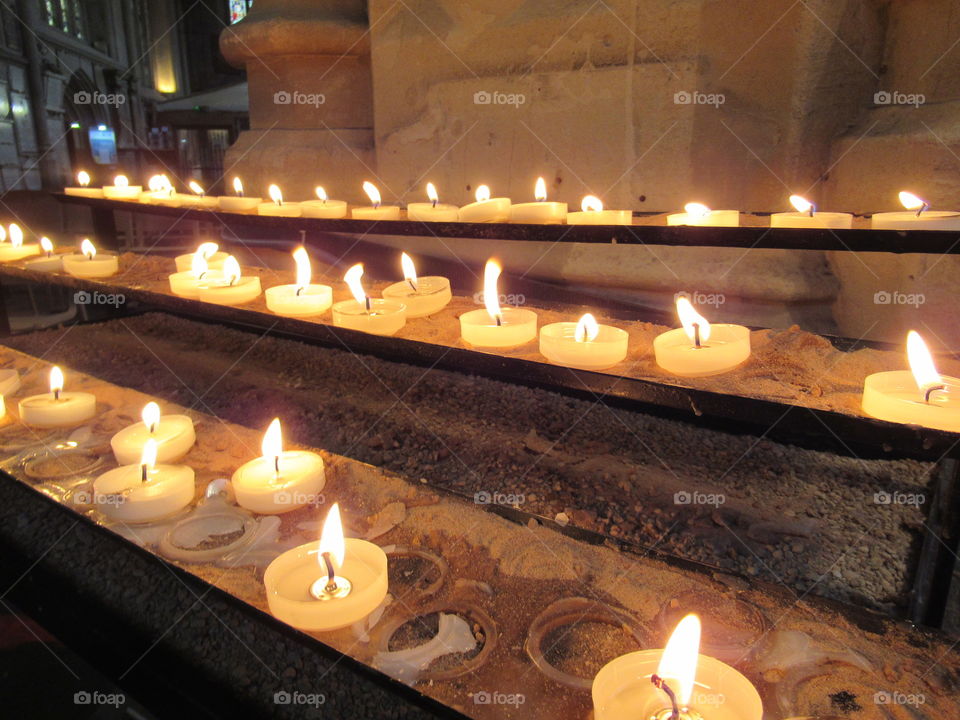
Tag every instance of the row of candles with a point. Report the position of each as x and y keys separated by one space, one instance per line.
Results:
x=331 y=584
x=921 y=396
x=486 y=209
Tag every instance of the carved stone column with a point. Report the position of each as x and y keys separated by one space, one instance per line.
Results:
x=311 y=97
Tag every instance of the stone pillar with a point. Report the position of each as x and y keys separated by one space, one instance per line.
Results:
x=311 y=97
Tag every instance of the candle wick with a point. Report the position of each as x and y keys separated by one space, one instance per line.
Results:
x=412 y=284
x=300 y=290
x=240 y=194
x=56 y=394
x=696 y=335
x=499 y=320
x=276 y=466
x=143 y=473
x=922 y=207
x=367 y=299
x=435 y=202
x=812 y=209
x=659 y=683
x=331 y=586
x=930 y=390
x=153 y=427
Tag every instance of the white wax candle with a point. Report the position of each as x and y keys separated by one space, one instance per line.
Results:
x=48 y=411
x=600 y=217
x=122 y=192
x=287 y=209
x=428 y=212
x=329 y=209
x=232 y=288
x=381 y=212
x=831 y=220
x=702 y=216
x=89 y=263
x=173 y=434
x=10 y=252
x=299 y=300
x=374 y=316
x=493 y=210
x=895 y=397
x=123 y=495
x=48 y=262
x=234 y=204
x=517 y=326
x=908 y=220
x=87 y=192
x=582 y=345
x=728 y=347
x=197 y=202
x=431 y=295
x=187 y=284
x=543 y=213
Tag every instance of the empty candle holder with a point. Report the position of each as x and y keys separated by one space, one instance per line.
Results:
x=414 y=574
x=732 y=628
x=572 y=638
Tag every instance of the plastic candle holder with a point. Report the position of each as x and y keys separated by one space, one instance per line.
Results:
x=893 y=396
x=431 y=295
x=84 y=189
x=122 y=192
x=101 y=265
x=124 y=495
x=829 y=220
x=517 y=326
x=261 y=489
x=376 y=316
x=494 y=210
x=559 y=344
x=728 y=347
x=10 y=252
x=187 y=284
x=232 y=288
x=49 y=261
x=909 y=220
x=173 y=434
x=428 y=212
x=600 y=217
x=299 y=300
x=376 y=212
x=702 y=216
x=237 y=204
x=52 y=410
x=330 y=209
x=622 y=690
x=291 y=577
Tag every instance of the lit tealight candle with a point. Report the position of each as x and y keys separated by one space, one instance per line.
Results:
x=160 y=191
x=83 y=180
x=422 y=295
x=698 y=348
x=676 y=683
x=371 y=315
x=280 y=480
x=919 y=396
x=494 y=326
x=89 y=263
x=211 y=253
x=238 y=203
x=330 y=585
x=144 y=491
x=807 y=216
x=486 y=209
x=700 y=215
x=302 y=299
x=541 y=211
x=433 y=211
x=583 y=344
x=49 y=261
x=187 y=284
x=122 y=189
x=278 y=208
x=198 y=199
x=324 y=207
x=919 y=216
x=592 y=213
x=376 y=211
x=231 y=288
x=173 y=435
x=57 y=408
x=16 y=249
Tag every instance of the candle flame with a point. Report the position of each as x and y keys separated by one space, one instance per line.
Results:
x=88 y=248
x=432 y=193
x=587 y=329
x=121 y=181
x=321 y=193
x=238 y=186
x=56 y=379
x=352 y=278
x=195 y=187
x=331 y=539
x=207 y=250
x=151 y=416
x=16 y=235
x=697 y=211
x=690 y=317
x=275 y=194
x=483 y=193
x=272 y=444
x=371 y=190
x=231 y=270
x=801 y=204
x=591 y=203
x=148 y=458
x=491 y=294
x=409 y=269
x=198 y=265
x=921 y=362
x=3 y=233
x=540 y=190
x=83 y=178
x=911 y=201
x=679 y=660
x=303 y=267
x=46 y=245
x=155 y=183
